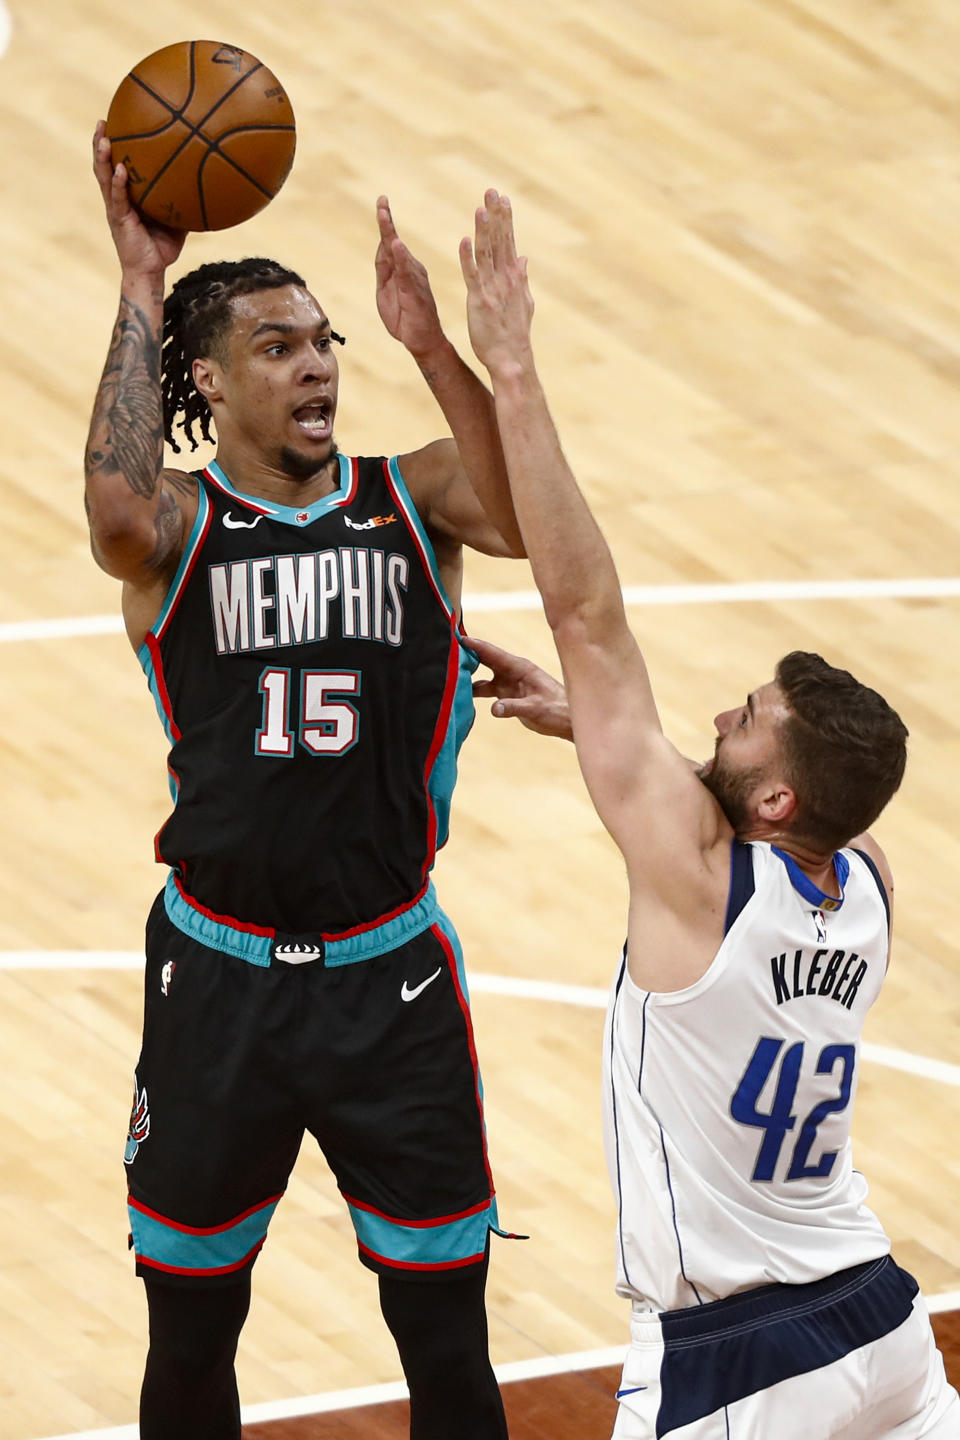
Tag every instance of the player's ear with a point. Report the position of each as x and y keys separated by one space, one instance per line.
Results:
x=206 y=377
x=778 y=803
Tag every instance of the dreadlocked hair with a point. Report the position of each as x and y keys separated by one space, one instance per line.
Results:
x=196 y=318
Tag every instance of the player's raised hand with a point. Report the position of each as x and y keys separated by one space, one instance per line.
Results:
x=143 y=246
x=404 y=297
x=522 y=691
x=499 y=303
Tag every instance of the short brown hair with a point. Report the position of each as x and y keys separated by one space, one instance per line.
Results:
x=845 y=749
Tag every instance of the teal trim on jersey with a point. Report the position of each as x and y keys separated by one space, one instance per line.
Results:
x=258 y=949
x=417 y=523
x=146 y=665
x=422 y=1245
x=186 y=560
x=161 y=1244
x=287 y=514
x=443 y=776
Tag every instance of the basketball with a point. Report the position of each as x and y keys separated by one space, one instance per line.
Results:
x=206 y=133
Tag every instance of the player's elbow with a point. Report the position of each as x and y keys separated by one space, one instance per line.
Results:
x=121 y=544
x=577 y=622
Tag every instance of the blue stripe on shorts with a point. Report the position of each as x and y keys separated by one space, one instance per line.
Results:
x=187 y=1250
x=442 y=1244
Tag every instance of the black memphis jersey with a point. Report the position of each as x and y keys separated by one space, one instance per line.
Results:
x=307 y=668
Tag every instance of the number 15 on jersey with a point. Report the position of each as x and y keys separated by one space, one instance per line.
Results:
x=328 y=723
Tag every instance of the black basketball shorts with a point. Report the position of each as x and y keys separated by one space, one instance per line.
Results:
x=371 y=1052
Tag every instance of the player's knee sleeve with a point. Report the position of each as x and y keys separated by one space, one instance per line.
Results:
x=440 y=1329
x=195 y=1332
x=189 y=1385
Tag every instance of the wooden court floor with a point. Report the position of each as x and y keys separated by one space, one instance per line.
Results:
x=741 y=217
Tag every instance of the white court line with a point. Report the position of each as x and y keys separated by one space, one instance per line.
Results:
x=381 y=1394
x=6 y=26
x=741 y=592
x=587 y=996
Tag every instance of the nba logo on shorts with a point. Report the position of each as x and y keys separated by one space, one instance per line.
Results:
x=166 y=975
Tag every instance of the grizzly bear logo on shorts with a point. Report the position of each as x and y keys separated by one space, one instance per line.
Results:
x=139 y=1124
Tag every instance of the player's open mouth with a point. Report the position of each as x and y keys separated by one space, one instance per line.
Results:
x=315 y=420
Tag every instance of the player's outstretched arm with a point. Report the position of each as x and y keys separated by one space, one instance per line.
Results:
x=135 y=519
x=460 y=486
x=636 y=778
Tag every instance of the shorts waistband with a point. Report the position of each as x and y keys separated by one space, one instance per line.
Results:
x=750 y=1308
x=265 y=946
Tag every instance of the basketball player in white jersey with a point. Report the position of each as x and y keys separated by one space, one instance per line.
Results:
x=766 y=1305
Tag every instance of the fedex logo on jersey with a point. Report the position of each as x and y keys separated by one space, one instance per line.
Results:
x=280 y=600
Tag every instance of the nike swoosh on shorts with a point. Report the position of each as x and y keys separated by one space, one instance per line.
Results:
x=406 y=993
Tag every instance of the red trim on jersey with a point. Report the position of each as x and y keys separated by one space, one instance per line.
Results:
x=381 y=920
x=202 y=1230
x=418 y=1224
x=447 y=948
x=265 y=930
x=189 y=570
x=415 y=536
x=436 y=744
x=354 y=480
x=157 y=658
x=422 y=1265
x=200 y=1270
x=232 y=494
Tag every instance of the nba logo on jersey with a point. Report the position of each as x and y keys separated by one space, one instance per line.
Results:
x=820 y=920
x=166 y=975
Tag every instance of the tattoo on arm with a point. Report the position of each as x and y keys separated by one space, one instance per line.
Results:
x=126 y=432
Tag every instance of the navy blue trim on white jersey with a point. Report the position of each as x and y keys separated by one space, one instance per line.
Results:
x=717 y=1354
x=805 y=886
x=877 y=876
x=613 y=1109
x=666 y=1158
x=742 y=883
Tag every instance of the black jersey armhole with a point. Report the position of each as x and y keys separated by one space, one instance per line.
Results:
x=880 y=885
x=741 y=882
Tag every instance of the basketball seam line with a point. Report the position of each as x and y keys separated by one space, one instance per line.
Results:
x=215 y=150
x=174 y=114
x=194 y=129
x=237 y=130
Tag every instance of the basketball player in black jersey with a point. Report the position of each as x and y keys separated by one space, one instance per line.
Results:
x=296 y=613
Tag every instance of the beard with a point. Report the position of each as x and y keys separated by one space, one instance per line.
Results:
x=304 y=467
x=732 y=790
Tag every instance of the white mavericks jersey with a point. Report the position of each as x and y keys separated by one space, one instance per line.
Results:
x=727 y=1105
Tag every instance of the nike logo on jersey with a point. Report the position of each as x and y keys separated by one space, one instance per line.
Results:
x=232 y=524
x=373 y=523
x=407 y=994
x=635 y=1391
